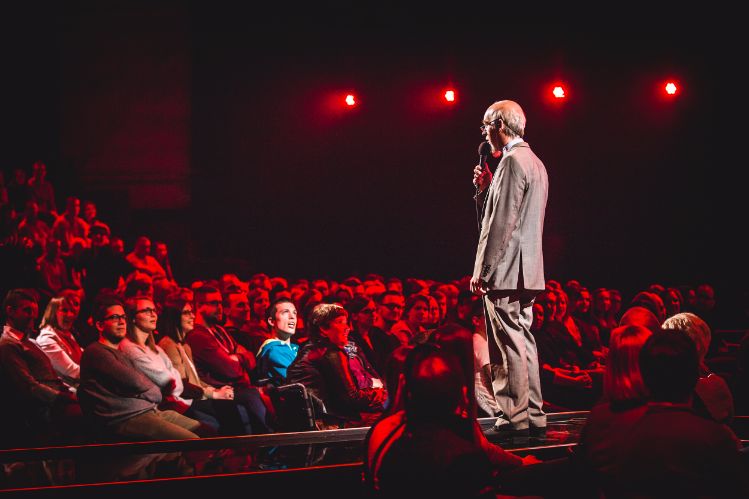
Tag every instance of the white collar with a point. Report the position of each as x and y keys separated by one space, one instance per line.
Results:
x=510 y=144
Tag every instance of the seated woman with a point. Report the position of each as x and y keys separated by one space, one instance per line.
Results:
x=151 y=360
x=57 y=341
x=334 y=373
x=175 y=321
x=570 y=376
x=623 y=404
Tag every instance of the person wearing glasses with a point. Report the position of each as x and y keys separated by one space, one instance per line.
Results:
x=121 y=400
x=221 y=361
x=373 y=342
x=390 y=306
x=508 y=270
x=150 y=359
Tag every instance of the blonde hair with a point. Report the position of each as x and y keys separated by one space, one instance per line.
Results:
x=694 y=327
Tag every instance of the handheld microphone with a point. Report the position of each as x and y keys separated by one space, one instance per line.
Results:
x=485 y=149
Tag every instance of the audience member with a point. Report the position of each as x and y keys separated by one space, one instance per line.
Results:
x=18 y=191
x=640 y=316
x=652 y=302
x=276 y=354
x=69 y=225
x=601 y=314
x=374 y=343
x=390 y=306
x=56 y=339
x=41 y=190
x=161 y=255
x=150 y=359
x=38 y=405
x=141 y=259
x=259 y=302
x=411 y=329
x=624 y=403
x=52 y=268
x=334 y=373
x=436 y=454
x=32 y=226
x=222 y=361
x=712 y=397
x=120 y=400
x=175 y=322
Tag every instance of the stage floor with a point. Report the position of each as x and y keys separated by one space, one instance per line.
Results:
x=100 y=464
x=279 y=454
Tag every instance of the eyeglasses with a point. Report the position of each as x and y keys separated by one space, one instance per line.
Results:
x=150 y=311
x=188 y=312
x=367 y=311
x=484 y=126
x=115 y=317
x=214 y=303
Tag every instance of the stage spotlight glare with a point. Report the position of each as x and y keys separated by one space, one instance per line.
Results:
x=450 y=96
x=350 y=100
x=671 y=88
x=558 y=92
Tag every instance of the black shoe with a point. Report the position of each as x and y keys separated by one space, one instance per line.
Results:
x=507 y=430
x=537 y=431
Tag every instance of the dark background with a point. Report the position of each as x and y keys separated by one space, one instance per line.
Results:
x=273 y=175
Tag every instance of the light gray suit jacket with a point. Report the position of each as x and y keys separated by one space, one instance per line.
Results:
x=509 y=254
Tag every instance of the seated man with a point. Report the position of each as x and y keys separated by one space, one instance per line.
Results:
x=35 y=397
x=220 y=360
x=239 y=324
x=436 y=454
x=120 y=399
x=277 y=354
x=140 y=258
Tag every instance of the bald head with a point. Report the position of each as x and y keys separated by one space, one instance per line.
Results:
x=511 y=114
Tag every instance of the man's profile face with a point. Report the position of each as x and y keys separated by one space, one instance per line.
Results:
x=212 y=309
x=239 y=309
x=89 y=211
x=491 y=133
x=284 y=318
x=160 y=251
x=142 y=247
x=22 y=316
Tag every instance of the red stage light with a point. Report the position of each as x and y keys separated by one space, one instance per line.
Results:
x=558 y=92
x=450 y=95
x=671 y=88
x=350 y=100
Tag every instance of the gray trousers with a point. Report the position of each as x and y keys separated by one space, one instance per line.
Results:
x=157 y=425
x=515 y=379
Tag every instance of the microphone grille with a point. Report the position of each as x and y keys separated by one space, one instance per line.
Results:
x=484 y=149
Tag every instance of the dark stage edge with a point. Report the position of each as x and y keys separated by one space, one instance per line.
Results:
x=293 y=461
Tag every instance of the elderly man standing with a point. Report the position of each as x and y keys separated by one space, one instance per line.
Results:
x=509 y=271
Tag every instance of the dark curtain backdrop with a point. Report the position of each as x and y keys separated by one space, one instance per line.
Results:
x=282 y=179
